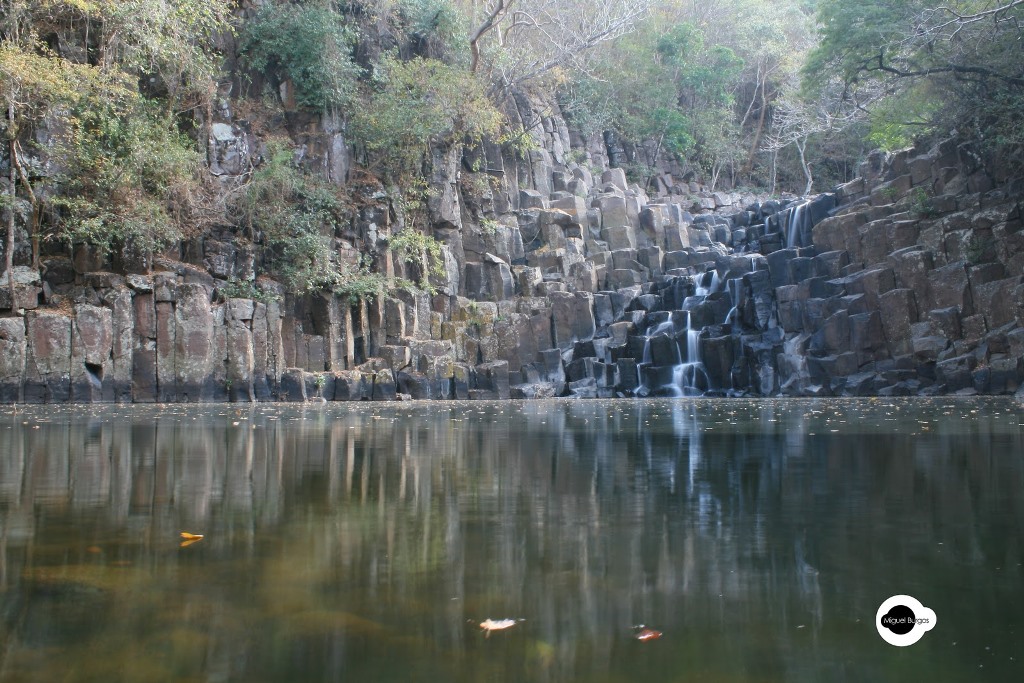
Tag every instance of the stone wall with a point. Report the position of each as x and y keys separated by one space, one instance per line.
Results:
x=558 y=272
x=930 y=254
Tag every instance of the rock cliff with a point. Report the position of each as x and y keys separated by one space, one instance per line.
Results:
x=561 y=278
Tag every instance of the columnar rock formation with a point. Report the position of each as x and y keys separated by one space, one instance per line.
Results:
x=561 y=278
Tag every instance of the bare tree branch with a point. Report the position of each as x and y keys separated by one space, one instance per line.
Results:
x=494 y=16
x=536 y=36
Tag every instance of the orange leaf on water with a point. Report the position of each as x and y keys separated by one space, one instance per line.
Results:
x=648 y=634
x=489 y=625
x=191 y=537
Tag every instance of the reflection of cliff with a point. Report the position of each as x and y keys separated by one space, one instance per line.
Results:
x=345 y=536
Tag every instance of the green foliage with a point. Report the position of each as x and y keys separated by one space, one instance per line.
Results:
x=517 y=140
x=854 y=35
x=489 y=226
x=415 y=103
x=121 y=164
x=980 y=249
x=439 y=26
x=114 y=170
x=922 y=203
x=422 y=250
x=891 y=193
x=309 y=45
x=669 y=87
x=245 y=289
x=37 y=82
x=576 y=156
x=896 y=120
x=121 y=159
x=170 y=39
x=998 y=115
x=361 y=283
x=920 y=68
x=638 y=173
x=294 y=215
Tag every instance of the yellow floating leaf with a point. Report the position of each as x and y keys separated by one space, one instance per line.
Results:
x=191 y=537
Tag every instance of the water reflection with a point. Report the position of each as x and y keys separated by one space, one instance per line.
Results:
x=367 y=542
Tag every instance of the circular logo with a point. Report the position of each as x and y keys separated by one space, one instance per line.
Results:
x=902 y=620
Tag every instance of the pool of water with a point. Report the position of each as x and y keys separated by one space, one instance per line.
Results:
x=368 y=542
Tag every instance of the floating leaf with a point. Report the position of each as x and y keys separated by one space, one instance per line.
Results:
x=188 y=539
x=489 y=625
x=648 y=634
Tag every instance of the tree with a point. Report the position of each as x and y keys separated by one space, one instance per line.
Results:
x=413 y=104
x=294 y=215
x=308 y=46
x=968 y=51
x=666 y=86
x=793 y=123
x=516 y=41
x=110 y=156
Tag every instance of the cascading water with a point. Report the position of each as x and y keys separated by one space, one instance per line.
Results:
x=733 y=287
x=795 y=221
x=802 y=218
x=708 y=283
x=715 y=331
x=690 y=377
x=670 y=363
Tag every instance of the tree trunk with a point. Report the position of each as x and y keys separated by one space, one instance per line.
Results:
x=36 y=209
x=500 y=7
x=11 y=196
x=9 y=252
x=654 y=163
x=801 y=146
x=757 y=134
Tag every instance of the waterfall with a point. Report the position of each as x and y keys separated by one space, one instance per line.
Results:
x=705 y=328
x=708 y=283
x=796 y=217
x=800 y=219
x=733 y=287
x=792 y=363
x=662 y=329
x=689 y=376
x=665 y=330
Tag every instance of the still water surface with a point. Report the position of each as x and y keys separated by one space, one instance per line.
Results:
x=367 y=542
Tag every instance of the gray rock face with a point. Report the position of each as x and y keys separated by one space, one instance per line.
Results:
x=12 y=359
x=556 y=280
x=228 y=150
x=91 y=347
x=48 y=358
